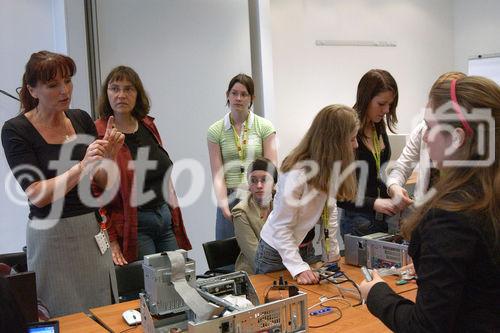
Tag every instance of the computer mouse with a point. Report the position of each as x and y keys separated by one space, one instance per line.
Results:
x=132 y=317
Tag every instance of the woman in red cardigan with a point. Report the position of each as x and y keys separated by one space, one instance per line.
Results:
x=144 y=217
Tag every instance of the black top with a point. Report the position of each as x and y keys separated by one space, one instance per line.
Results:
x=27 y=152
x=458 y=279
x=375 y=187
x=156 y=177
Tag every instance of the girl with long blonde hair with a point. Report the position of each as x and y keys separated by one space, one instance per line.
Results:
x=307 y=192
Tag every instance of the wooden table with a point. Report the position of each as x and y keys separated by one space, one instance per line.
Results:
x=78 y=323
x=353 y=272
x=354 y=318
x=110 y=316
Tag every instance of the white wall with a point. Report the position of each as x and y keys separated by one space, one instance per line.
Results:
x=76 y=39
x=308 y=77
x=476 y=30
x=59 y=26
x=27 y=26
x=185 y=51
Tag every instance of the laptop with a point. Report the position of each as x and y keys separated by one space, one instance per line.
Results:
x=44 y=327
x=398 y=143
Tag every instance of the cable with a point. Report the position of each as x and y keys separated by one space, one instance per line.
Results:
x=7 y=94
x=280 y=285
x=328 y=299
x=357 y=288
x=333 y=277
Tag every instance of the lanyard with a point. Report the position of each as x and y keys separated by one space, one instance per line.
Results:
x=376 y=155
x=103 y=219
x=325 y=216
x=241 y=144
x=376 y=150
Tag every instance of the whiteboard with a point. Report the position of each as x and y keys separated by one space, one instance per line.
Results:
x=487 y=66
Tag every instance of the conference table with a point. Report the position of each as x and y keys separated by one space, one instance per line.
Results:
x=79 y=323
x=355 y=318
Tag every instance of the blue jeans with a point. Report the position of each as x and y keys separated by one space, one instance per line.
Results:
x=267 y=259
x=224 y=228
x=360 y=224
x=154 y=231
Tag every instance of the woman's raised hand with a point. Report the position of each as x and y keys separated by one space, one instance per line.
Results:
x=114 y=139
x=106 y=147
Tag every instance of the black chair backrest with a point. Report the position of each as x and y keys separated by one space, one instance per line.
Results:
x=221 y=253
x=16 y=260
x=130 y=280
x=23 y=286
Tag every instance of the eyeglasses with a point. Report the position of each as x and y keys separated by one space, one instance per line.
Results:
x=127 y=90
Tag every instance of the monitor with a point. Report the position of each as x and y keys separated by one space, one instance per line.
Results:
x=398 y=143
x=44 y=327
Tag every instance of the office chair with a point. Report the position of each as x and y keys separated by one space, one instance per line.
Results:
x=23 y=286
x=221 y=253
x=130 y=281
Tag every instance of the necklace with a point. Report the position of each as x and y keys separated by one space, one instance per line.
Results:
x=126 y=128
x=136 y=127
x=68 y=132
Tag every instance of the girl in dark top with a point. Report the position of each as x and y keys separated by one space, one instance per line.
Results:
x=50 y=150
x=376 y=100
x=455 y=236
x=145 y=218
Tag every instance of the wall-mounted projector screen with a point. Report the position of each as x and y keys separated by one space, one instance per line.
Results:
x=487 y=66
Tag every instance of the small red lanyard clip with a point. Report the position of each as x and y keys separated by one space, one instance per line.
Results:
x=102 y=222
